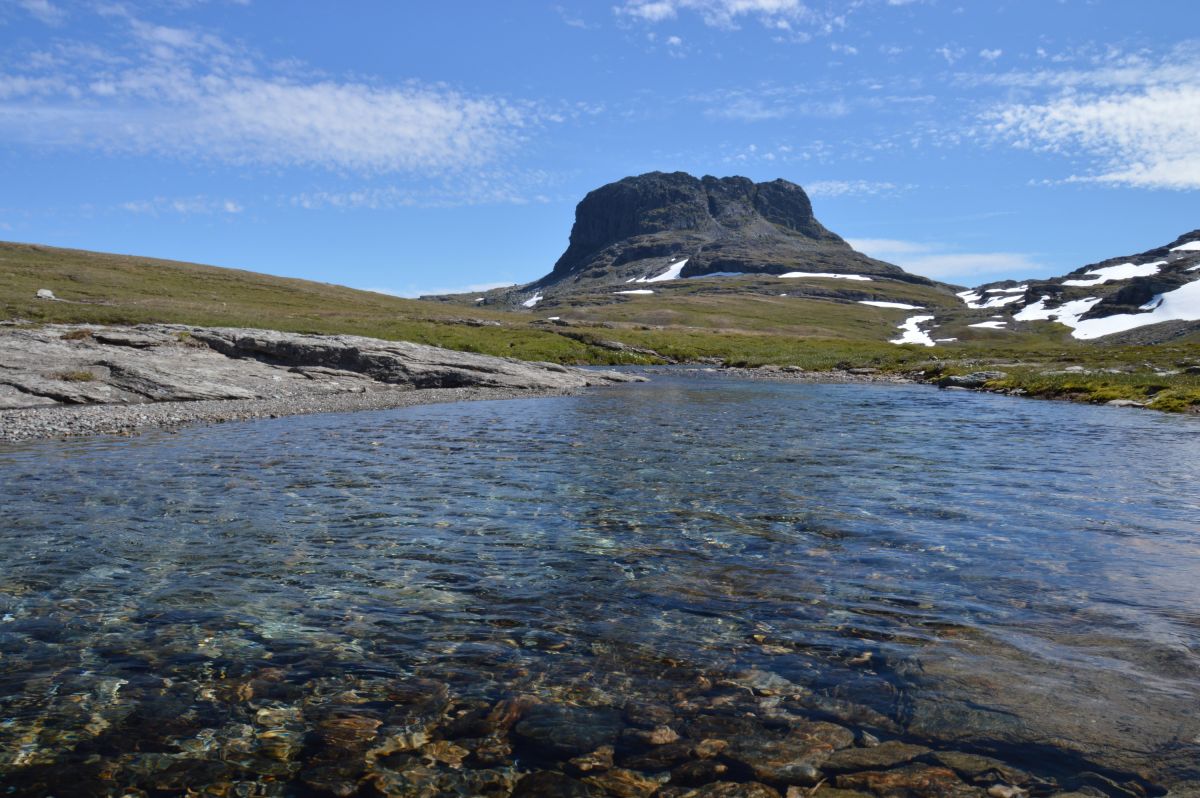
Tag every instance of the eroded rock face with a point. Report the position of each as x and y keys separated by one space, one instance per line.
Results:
x=78 y=364
x=637 y=227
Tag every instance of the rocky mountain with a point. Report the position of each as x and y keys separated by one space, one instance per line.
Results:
x=659 y=227
x=1150 y=297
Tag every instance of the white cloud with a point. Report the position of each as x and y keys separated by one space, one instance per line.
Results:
x=990 y=55
x=1134 y=120
x=933 y=260
x=951 y=54
x=778 y=14
x=183 y=206
x=1147 y=137
x=185 y=94
x=878 y=247
x=770 y=102
x=475 y=190
x=849 y=188
x=44 y=10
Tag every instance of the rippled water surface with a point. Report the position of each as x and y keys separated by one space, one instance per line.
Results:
x=270 y=607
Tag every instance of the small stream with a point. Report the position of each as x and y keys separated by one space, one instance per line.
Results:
x=463 y=599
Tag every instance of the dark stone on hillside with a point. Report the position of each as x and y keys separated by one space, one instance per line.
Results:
x=976 y=379
x=563 y=732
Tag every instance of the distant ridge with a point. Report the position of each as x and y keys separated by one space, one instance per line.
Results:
x=1147 y=298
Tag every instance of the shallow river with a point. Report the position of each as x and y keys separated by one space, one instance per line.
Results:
x=443 y=599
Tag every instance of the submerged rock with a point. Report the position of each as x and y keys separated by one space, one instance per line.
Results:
x=911 y=781
x=563 y=732
x=881 y=756
x=794 y=759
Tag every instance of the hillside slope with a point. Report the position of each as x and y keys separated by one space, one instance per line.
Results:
x=1147 y=298
x=101 y=288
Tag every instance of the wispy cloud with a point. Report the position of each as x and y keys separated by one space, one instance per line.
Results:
x=851 y=188
x=183 y=206
x=940 y=262
x=44 y=10
x=1148 y=138
x=515 y=189
x=186 y=94
x=1136 y=120
x=777 y=14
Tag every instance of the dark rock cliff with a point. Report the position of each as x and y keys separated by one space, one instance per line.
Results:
x=637 y=225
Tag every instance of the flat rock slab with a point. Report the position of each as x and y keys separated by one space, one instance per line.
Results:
x=85 y=364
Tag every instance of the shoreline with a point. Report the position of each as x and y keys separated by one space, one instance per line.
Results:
x=62 y=422
x=25 y=425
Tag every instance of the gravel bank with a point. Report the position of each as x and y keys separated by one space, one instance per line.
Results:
x=57 y=422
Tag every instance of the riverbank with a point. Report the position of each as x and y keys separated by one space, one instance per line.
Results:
x=65 y=380
x=60 y=422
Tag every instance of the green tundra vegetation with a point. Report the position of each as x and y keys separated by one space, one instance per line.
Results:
x=745 y=322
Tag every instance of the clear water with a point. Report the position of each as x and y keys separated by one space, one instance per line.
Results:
x=966 y=571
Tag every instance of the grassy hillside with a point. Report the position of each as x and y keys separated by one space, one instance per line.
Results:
x=740 y=324
x=120 y=289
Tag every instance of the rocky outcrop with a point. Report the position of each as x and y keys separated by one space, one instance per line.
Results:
x=78 y=365
x=640 y=227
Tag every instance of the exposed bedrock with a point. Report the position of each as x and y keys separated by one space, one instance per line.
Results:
x=81 y=364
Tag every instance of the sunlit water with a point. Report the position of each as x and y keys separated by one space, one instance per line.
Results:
x=961 y=570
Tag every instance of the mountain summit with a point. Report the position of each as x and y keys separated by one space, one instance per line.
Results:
x=666 y=226
x=638 y=227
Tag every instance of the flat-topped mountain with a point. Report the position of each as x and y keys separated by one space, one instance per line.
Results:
x=1145 y=298
x=666 y=226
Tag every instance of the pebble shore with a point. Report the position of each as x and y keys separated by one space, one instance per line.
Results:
x=127 y=419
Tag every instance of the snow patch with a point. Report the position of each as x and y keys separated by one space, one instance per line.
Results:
x=533 y=300
x=974 y=300
x=480 y=298
x=990 y=325
x=1018 y=289
x=1190 y=246
x=790 y=275
x=672 y=273
x=1182 y=304
x=911 y=332
x=1122 y=271
x=1068 y=313
x=636 y=291
x=875 y=304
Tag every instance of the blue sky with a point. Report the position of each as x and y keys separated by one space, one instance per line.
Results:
x=422 y=147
